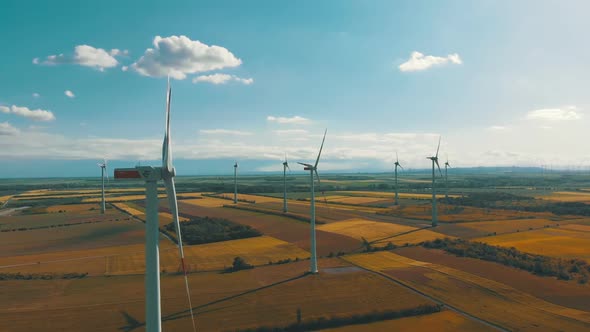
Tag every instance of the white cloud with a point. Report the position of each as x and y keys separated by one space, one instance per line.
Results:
x=224 y=132
x=178 y=56
x=69 y=94
x=36 y=95
x=6 y=129
x=284 y=120
x=497 y=128
x=286 y=132
x=555 y=114
x=84 y=55
x=116 y=52
x=124 y=68
x=222 y=79
x=419 y=61
x=36 y=115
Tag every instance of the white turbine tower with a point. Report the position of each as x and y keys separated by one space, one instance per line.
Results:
x=314 y=169
x=103 y=172
x=152 y=175
x=236 y=183
x=447 y=165
x=434 y=161
x=397 y=164
x=285 y=166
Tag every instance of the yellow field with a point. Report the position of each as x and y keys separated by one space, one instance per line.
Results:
x=481 y=297
x=360 y=228
x=128 y=209
x=207 y=202
x=566 y=241
x=389 y=194
x=119 y=198
x=355 y=200
x=212 y=256
x=505 y=226
x=567 y=196
x=78 y=192
x=413 y=238
x=449 y=213
x=256 y=198
x=72 y=208
x=444 y=321
x=4 y=199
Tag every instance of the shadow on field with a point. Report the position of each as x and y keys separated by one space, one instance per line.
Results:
x=133 y=323
x=400 y=234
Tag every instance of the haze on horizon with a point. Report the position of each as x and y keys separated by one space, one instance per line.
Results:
x=503 y=83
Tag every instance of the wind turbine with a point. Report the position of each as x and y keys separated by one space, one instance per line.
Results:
x=447 y=165
x=313 y=169
x=434 y=161
x=151 y=176
x=397 y=164
x=103 y=171
x=236 y=183
x=285 y=166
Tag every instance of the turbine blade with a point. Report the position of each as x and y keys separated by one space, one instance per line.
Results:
x=321 y=147
x=438 y=148
x=317 y=176
x=437 y=165
x=173 y=205
x=396 y=158
x=307 y=165
x=400 y=166
x=166 y=153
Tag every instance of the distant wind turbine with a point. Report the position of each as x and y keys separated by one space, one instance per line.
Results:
x=285 y=166
x=434 y=161
x=447 y=165
x=152 y=175
x=103 y=172
x=397 y=164
x=314 y=169
x=236 y=183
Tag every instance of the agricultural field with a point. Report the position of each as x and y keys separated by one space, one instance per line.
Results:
x=566 y=242
x=50 y=229
x=444 y=321
x=496 y=303
x=566 y=196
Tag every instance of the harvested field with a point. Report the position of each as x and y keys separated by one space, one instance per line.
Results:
x=72 y=208
x=263 y=296
x=444 y=321
x=564 y=293
x=119 y=198
x=26 y=222
x=212 y=256
x=389 y=194
x=567 y=196
x=484 y=298
x=361 y=228
x=76 y=237
x=129 y=210
x=486 y=228
x=206 y=202
x=282 y=228
x=553 y=242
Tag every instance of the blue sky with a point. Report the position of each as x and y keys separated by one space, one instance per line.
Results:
x=503 y=82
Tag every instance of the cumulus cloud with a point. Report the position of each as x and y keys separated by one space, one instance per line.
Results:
x=69 y=94
x=84 y=55
x=116 y=52
x=419 y=61
x=286 y=132
x=224 y=132
x=284 y=120
x=36 y=95
x=178 y=56
x=555 y=114
x=222 y=79
x=36 y=115
x=6 y=129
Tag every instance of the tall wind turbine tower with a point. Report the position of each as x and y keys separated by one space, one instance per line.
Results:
x=397 y=164
x=236 y=183
x=151 y=176
x=447 y=165
x=313 y=169
x=434 y=161
x=103 y=172
x=285 y=166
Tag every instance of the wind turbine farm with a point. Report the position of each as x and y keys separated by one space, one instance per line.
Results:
x=499 y=241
